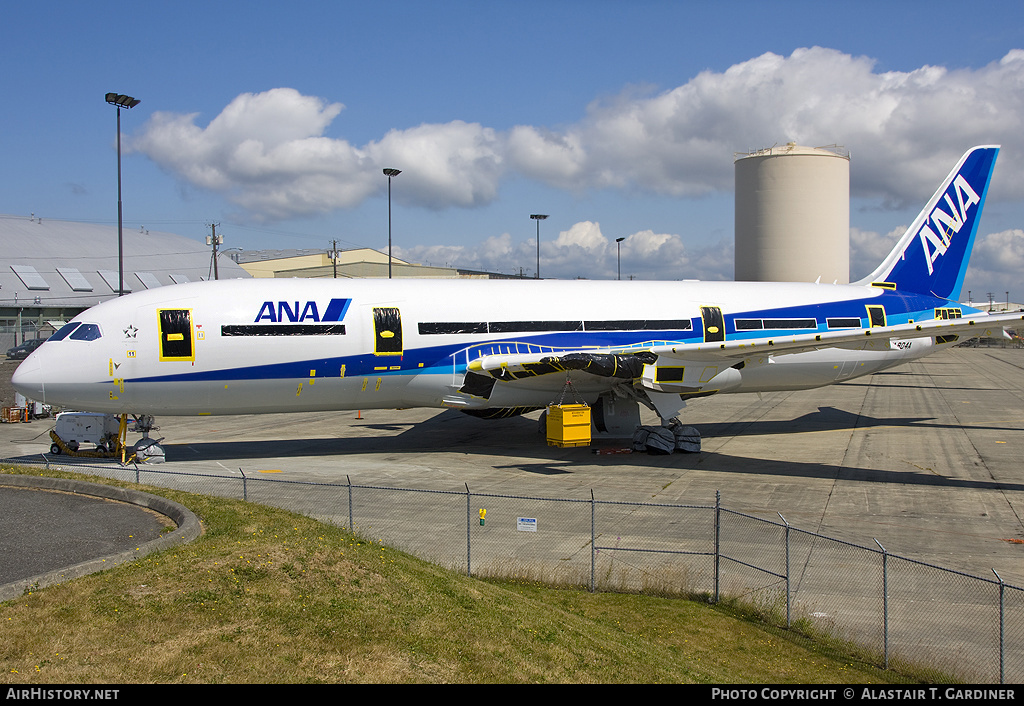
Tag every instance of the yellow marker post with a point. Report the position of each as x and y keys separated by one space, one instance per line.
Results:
x=483 y=514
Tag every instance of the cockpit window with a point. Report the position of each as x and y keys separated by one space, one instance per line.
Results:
x=86 y=332
x=64 y=330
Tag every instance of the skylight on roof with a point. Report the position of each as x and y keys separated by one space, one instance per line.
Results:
x=110 y=278
x=75 y=279
x=29 y=277
x=148 y=279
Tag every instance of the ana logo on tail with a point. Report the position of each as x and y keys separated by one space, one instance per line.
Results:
x=943 y=232
x=948 y=224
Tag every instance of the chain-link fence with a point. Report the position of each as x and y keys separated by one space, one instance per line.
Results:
x=898 y=609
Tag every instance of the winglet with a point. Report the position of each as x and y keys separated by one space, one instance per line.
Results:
x=932 y=256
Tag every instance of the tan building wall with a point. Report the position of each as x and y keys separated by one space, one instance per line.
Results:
x=793 y=215
x=359 y=263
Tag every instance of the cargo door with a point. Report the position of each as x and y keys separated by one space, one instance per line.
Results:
x=387 y=331
x=714 y=324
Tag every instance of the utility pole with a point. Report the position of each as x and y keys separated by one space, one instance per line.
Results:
x=214 y=240
x=334 y=257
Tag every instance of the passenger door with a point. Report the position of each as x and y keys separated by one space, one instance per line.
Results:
x=177 y=341
x=387 y=331
x=714 y=324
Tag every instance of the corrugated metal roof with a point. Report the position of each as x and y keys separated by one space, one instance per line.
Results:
x=150 y=258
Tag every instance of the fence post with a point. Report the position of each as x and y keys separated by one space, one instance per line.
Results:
x=718 y=539
x=885 y=602
x=788 y=619
x=593 y=556
x=351 y=526
x=245 y=485
x=469 y=571
x=1002 y=613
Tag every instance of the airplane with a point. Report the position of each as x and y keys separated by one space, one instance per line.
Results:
x=498 y=348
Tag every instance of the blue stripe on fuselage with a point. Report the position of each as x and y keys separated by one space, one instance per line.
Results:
x=900 y=307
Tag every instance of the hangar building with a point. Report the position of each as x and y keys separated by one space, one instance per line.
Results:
x=52 y=270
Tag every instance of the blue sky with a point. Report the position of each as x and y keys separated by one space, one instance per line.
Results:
x=616 y=118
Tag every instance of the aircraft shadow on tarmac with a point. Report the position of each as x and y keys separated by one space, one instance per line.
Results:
x=711 y=462
x=519 y=437
x=828 y=419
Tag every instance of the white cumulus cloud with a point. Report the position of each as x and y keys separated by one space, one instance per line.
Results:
x=267 y=152
x=450 y=164
x=583 y=251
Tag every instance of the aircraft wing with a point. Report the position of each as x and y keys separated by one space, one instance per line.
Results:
x=616 y=362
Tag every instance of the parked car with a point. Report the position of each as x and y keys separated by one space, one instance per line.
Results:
x=21 y=352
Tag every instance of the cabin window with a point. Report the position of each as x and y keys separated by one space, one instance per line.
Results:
x=840 y=322
x=774 y=324
x=533 y=326
x=432 y=328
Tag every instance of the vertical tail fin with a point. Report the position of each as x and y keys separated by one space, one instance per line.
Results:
x=931 y=257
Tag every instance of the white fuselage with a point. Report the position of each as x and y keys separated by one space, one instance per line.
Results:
x=252 y=346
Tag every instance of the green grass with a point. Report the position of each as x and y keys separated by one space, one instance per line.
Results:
x=268 y=596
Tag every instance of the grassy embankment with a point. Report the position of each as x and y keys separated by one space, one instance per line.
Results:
x=270 y=596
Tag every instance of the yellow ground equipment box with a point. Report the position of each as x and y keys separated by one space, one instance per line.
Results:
x=568 y=425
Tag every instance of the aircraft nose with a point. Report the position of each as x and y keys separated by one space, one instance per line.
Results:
x=28 y=378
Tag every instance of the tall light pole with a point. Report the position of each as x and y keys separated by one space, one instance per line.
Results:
x=618 y=254
x=390 y=173
x=121 y=101
x=538 y=217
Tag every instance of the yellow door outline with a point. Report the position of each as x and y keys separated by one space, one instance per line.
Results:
x=876 y=316
x=387 y=331
x=714 y=323
x=177 y=335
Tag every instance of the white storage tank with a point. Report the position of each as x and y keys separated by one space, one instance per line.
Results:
x=793 y=214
